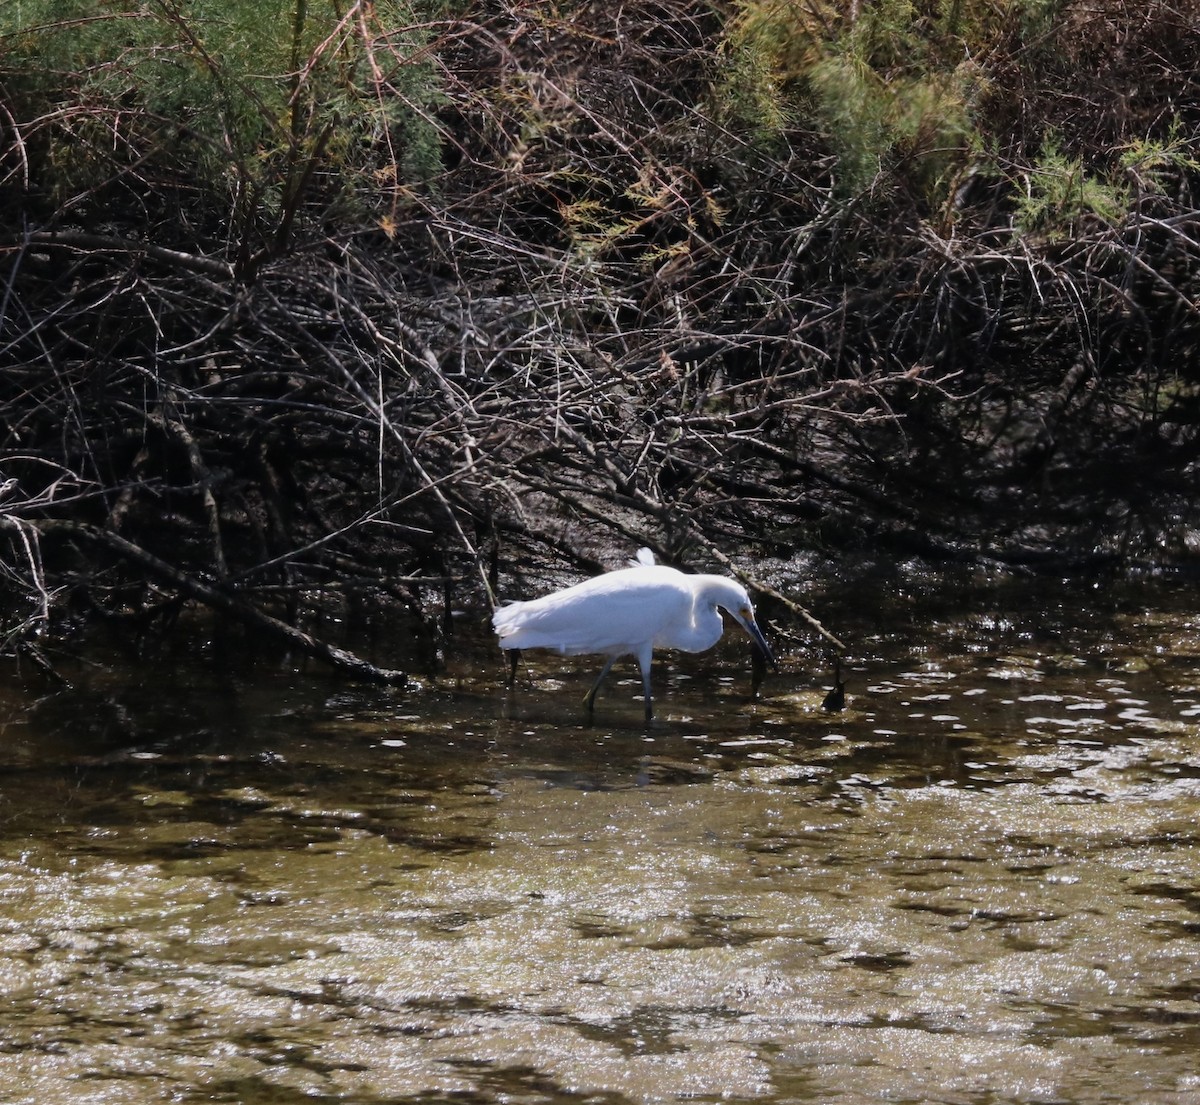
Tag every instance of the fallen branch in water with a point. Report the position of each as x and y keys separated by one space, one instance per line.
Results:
x=766 y=589
x=223 y=601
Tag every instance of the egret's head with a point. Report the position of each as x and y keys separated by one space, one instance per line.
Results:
x=742 y=611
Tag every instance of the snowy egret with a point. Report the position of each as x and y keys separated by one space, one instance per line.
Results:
x=630 y=612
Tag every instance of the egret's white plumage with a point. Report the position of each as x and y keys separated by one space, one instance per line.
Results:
x=631 y=611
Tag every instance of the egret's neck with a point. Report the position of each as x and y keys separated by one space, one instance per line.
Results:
x=706 y=625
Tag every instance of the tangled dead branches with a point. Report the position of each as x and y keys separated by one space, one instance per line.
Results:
x=614 y=322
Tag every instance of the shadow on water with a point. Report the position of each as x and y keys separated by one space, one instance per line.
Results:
x=224 y=879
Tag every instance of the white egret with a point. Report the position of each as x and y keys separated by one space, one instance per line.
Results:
x=631 y=611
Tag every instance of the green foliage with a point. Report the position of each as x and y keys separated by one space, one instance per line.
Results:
x=1059 y=192
x=750 y=98
x=895 y=86
x=253 y=101
x=1152 y=164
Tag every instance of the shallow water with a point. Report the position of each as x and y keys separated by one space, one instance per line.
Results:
x=225 y=881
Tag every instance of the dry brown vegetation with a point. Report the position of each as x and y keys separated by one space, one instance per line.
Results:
x=583 y=278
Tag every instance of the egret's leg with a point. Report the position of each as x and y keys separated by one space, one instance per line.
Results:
x=589 y=701
x=514 y=656
x=644 y=660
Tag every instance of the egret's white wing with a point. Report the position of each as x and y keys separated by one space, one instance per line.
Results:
x=614 y=613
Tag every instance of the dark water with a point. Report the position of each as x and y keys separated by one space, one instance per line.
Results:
x=227 y=880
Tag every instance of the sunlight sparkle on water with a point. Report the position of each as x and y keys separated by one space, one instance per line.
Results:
x=976 y=883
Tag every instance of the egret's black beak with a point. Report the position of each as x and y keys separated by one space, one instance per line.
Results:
x=760 y=642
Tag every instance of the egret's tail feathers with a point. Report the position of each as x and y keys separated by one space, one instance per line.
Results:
x=644 y=558
x=504 y=620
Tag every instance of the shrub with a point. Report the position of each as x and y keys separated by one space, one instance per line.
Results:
x=246 y=111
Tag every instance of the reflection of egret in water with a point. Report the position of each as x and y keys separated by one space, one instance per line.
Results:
x=630 y=612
